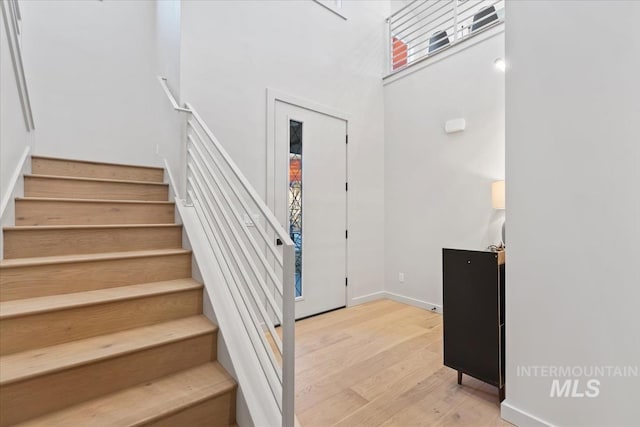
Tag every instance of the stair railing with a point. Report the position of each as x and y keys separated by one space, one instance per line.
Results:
x=257 y=251
x=12 y=20
x=424 y=28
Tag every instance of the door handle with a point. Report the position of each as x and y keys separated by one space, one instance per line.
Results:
x=278 y=242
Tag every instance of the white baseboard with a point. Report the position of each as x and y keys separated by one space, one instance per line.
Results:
x=396 y=297
x=414 y=302
x=519 y=417
x=168 y=178
x=173 y=193
x=367 y=298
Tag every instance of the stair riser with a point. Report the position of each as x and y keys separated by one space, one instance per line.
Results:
x=52 y=212
x=38 y=243
x=217 y=412
x=74 y=189
x=71 y=168
x=34 y=397
x=57 y=327
x=53 y=279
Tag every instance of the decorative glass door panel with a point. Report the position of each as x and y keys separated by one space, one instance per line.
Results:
x=295 y=197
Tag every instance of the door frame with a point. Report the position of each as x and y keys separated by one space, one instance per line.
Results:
x=273 y=96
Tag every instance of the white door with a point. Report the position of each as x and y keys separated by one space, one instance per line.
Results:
x=310 y=193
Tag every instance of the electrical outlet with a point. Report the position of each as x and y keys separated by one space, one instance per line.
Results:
x=401 y=277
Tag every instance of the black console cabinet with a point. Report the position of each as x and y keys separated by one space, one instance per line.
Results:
x=473 y=306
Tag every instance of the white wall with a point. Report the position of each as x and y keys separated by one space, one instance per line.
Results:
x=396 y=5
x=168 y=38
x=573 y=202
x=171 y=124
x=93 y=85
x=438 y=185
x=233 y=51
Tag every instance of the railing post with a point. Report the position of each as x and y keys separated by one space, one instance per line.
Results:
x=389 y=48
x=187 y=194
x=288 y=337
x=455 y=21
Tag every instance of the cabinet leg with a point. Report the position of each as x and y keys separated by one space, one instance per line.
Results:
x=501 y=393
x=459 y=377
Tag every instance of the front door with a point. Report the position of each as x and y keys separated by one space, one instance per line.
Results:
x=311 y=202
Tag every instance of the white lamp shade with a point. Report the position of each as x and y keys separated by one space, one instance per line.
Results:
x=497 y=194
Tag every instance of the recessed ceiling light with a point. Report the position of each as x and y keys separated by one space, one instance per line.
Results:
x=500 y=64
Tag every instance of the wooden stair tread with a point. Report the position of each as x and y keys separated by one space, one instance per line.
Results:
x=106 y=201
x=81 y=178
x=105 y=256
x=146 y=402
x=32 y=363
x=86 y=227
x=92 y=162
x=37 y=305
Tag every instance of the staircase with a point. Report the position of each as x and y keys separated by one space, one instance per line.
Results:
x=100 y=321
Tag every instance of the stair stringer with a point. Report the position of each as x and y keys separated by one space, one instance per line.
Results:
x=15 y=189
x=255 y=405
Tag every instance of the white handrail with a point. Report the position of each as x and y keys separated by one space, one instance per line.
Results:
x=172 y=99
x=12 y=18
x=18 y=12
x=260 y=282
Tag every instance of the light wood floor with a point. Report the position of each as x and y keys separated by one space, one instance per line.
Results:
x=380 y=364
